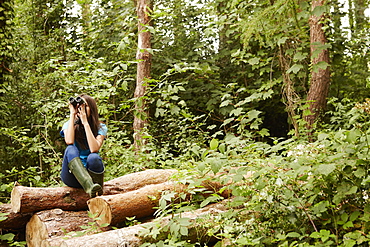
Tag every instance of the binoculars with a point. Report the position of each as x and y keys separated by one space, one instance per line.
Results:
x=76 y=101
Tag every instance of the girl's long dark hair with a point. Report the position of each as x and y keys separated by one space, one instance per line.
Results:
x=93 y=120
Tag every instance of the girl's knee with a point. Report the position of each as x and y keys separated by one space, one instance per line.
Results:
x=95 y=163
x=72 y=151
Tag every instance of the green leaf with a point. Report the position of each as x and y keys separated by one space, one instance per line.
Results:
x=353 y=190
x=227 y=121
x=320 y=65
x=175 y=228
x=253 y=114
x=319 y=10
x=293 y=235
x=254 y=61
x=299 y=56
x=295 y=68
x=325 y=169
x=213 y=144
x=184 y=231
x=354 y=216
x=225 y=103
x=353 y=135
x=222 y=148
x=216 y=166
x=360 y=172
x=282 y=40
x=184 y=221
x=236 y=112
x=320 y=207
x=201 y=166
x=175 y=110
x=7 y=237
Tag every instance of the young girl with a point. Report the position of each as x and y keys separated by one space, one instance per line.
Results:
x=84 y=134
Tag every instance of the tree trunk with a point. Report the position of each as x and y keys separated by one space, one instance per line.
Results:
x=13 y=221
x=34 y=199
x=86 y=16
x=6 y=19
x=137 y=180
x=130 y=236
x=143 y=71
x=45 y=228
x=114 y=209
x=320 y=80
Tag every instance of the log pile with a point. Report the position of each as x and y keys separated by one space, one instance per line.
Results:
x=28 y=199
x=48 y=214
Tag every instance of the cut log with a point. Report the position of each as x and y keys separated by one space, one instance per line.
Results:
x=47 y=225
x=13 y=221
x=137 y=180
x=34 y=199
x=130 y=236
x=114 y=209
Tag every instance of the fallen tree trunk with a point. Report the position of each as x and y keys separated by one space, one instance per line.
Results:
x=130 y=236
x=13 y=220
x=137 y=180
x=114 y=209
x=34 y=199
x=45 y=226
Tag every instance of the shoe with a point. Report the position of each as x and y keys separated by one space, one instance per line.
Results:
x=84 y=178
x=97 y=178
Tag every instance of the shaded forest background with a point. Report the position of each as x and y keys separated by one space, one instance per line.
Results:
x=228 y=89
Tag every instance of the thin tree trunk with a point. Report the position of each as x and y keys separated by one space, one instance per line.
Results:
x=86 y=16
x=6 y=16
x=320 y=80
x=143 y=70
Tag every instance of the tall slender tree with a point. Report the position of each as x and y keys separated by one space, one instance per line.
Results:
x=320 y=77
x=143 y=70
x=6 y=16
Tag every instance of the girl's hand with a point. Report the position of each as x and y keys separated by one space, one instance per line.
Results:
x=72 y=110
x=82 y=114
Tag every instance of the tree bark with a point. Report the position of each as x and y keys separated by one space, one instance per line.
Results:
x=34 y=199
x=114 y=209
x=130 y=236
x=320 y=80
x=143 y=71
x=14 y=221
x=6 y=19
x=45 y=228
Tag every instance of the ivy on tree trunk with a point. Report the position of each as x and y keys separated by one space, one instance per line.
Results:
x=6 y=16
x=144 y=58
x=320 y=77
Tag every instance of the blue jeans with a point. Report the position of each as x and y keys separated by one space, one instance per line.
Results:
x=94 y=163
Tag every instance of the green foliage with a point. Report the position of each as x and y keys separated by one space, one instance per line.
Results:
x=9 y=237
x=227 y=89
x=92 y=227
x=294 y=193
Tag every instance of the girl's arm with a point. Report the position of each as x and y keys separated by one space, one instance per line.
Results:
x=94 y=142
x=69 y=135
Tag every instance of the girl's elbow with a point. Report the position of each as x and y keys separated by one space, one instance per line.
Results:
x=68 y=142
